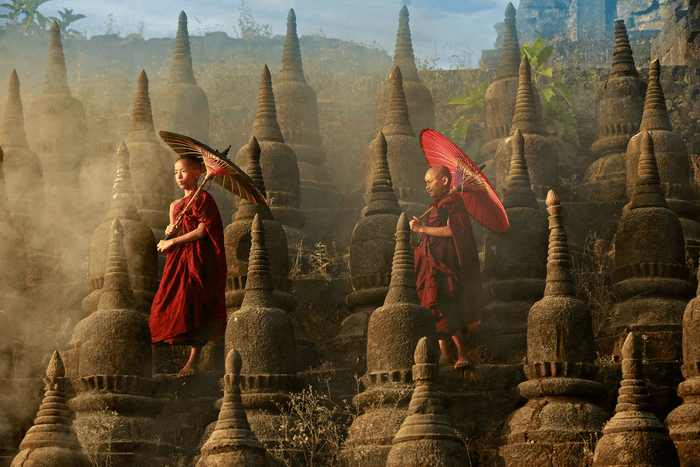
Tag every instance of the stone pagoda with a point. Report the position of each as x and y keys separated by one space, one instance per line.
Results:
x=151 y=164
x=672 y=160
x=684 y=421
x=541 y=152
x=182 y=106
x=371 y=254
x=426 y=436
x=110 y=361
x=279 y=166
x=23 y=173
x=406 y=161
x=634 y=436
x=619 y=106
x=514 y=277
x=263 y=333
x=560 y=414
x=139 y=243
x=650 y=277
x=232 y=444
x=394 y=330
x=418 y=98
x=52 y=442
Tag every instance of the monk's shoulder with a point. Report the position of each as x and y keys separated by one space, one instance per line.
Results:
x=451 y=202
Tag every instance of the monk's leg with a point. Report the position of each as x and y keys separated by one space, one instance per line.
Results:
x=462 y=358
x=193 y=363
x=445 y=351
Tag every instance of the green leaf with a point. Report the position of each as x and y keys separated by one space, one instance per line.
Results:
x=547 y=93
x=459 y=101
x=546 y=71
x=567 y=118
x=545 y=53
x=559 y=126
x=565 y=92
x=539 y=43
x=459 y=129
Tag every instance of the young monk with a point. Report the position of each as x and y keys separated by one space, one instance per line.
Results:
x=190 y=306
x=447 y=266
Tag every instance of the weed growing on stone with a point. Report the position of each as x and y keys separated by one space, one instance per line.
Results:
x=592 y=279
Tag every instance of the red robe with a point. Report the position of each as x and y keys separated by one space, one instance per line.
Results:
x=448 y=272
x=190 y=306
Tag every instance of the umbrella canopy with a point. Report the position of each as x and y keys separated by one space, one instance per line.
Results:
x=478 y=194
x=219 y=168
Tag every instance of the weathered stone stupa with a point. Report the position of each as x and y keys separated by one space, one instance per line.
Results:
x=57 y=122
x=139 y=243
x=237 y=238
x=634 y=436
x=619 y=108
x=279 y=165
x=371 y=254
x=232 y=444
x=297 y=115
x=262 y=332
x=426 y=436
x=514 y=277
x=672 y=160
x=418 y=98
x=499 y=101
x=684 y=421
x=23 y=173
x=540 y=151
x=394 y=329
x=150 y=163
x=560 y=415
x=406 y=161
x=649 y=273
x=52 y=442
x=182 y=106
x=110 y=361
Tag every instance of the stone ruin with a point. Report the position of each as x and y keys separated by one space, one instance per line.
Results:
x=555 y=377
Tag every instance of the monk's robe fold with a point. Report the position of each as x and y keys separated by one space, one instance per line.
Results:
x=448 y=272
x=190 y=306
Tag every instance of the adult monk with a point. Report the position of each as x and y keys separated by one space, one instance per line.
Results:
x=190 y=306
x=447 y=266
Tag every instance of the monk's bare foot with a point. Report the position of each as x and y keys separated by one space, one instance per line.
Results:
x=192 y=364
x=461 y=363
x=187 y=370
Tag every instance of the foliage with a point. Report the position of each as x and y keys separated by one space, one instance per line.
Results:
x=248 y=28
x=23 y=17
x=557 y=99
x=473 y=124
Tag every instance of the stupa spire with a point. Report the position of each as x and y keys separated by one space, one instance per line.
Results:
x=116 y=291
x=559 y=280
x=519 y=190
x=397 y=122
x=655 y=116
x=291 y=57
x=403 y=54
x=265 y=126
x=142 y=128
x=259 y=286
x=56 y=81
x=4 y=204
x=402 y=288
x=510 y=56
x=123 y=192
x=181 y=71
x=383 y=199
x=648 y=192
x=623 y=61
x=248 y=209
x=13 y=134
x=525 y=117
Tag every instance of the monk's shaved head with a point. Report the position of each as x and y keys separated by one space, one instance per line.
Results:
x=440 y=171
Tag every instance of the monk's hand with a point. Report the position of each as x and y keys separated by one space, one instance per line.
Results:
x=170 y=229
x=163 y=245
x=416 y=225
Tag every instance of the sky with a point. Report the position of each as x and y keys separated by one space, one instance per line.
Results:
x=443 y=31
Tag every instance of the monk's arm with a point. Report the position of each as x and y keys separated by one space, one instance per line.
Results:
x=443 y=231
x=197 y=234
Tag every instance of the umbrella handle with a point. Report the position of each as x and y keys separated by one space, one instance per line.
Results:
x=182 y=214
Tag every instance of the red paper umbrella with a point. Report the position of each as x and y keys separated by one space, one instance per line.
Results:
x=478 y=194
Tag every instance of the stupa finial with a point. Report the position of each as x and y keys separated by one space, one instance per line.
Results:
x=265 y=126
x=648 y=192
x=123 y=205
x=510 y=57
x=518 y=189
x=383 y=199
x=142 y=128
x=181 y=71
x=559 y=279
x=13 y=134
x=655 y=116
x=397 y=121
x=403 y=54
x=292 y=69
x=525 y=118
x=116 y=291
x=402 y=288
x=56 y=81
x=259 y=286
x=623 y=61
